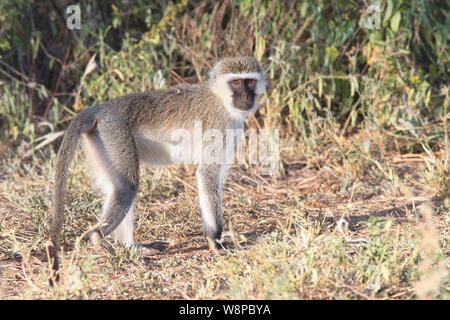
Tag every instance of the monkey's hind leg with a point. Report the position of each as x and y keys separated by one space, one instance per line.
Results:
x=112 y=155
x=209 y=180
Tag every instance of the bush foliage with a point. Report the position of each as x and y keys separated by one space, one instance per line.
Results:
x=323 y=63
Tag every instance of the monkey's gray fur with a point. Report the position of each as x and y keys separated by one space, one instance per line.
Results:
x=119 y=134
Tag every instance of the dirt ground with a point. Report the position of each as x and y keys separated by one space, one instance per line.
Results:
x=167 y=218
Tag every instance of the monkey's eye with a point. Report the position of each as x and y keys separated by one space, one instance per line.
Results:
x=250 y=82
x=236 y=82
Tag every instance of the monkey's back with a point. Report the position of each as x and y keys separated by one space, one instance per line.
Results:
x=177 y=107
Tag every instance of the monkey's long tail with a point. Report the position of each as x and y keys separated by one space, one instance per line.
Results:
x=85 y=121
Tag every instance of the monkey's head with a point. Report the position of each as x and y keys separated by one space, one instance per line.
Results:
x=238 y=82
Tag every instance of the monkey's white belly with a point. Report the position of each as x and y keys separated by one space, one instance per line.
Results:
x=153 y=153
x=158 y=150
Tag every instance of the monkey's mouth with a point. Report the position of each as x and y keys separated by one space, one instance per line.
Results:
x=244 y=101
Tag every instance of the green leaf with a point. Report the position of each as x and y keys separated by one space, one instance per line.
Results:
x=304 y=9
x=332 y=53
x=388 y=13
x=320 y=87
x=260 y=47
x=395 y=21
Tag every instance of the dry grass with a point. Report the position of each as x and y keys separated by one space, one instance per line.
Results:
x=316 y=231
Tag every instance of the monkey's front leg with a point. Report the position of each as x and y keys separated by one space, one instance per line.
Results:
x=209 y=182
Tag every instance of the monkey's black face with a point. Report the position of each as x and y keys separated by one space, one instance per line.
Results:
x=243 y=93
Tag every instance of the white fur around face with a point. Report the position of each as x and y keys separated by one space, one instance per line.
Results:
x=260 y=81
x=220 y=87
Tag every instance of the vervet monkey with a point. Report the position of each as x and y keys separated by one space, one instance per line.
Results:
x=119 y=134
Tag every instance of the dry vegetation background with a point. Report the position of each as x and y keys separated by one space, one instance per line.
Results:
x=359 y=209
